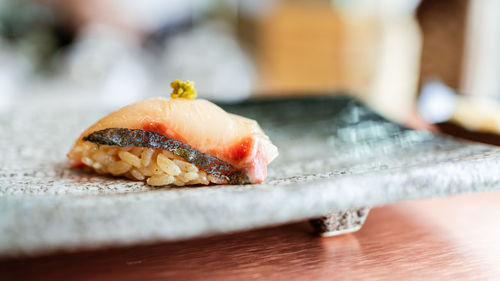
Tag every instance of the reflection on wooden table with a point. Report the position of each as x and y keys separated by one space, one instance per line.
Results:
x=452 y=238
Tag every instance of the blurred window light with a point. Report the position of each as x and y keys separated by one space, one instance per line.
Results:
x=436 y=102
x=481 y=73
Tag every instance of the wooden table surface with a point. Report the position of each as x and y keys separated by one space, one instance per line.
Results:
x=455 y=238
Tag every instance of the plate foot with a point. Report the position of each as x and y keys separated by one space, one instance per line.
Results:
x=340 y=222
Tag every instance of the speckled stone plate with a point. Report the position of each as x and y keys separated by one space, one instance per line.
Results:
x=335 y=154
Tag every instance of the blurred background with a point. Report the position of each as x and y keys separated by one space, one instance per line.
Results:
x=416 y=62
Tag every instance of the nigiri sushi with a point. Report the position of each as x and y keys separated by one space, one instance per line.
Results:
x=177 y=141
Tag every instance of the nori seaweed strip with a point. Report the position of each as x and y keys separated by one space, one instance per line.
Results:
x=136 y=137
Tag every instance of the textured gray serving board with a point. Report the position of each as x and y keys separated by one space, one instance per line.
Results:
x=334 y=154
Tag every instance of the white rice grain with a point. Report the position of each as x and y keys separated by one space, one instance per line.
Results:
x=137 y=174
x=119 y=167
x=146 y=156
x=130 y=158
x=159 y=180
x=167 y=165
x=186 y=166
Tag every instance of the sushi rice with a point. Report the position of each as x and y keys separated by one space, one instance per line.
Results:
x=157 y=167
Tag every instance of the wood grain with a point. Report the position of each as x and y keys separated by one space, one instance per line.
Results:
x=452 y=238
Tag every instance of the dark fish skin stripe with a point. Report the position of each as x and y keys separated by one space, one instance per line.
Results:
x=136 y=137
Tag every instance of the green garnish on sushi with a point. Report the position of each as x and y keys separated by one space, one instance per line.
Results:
x=183 y=89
